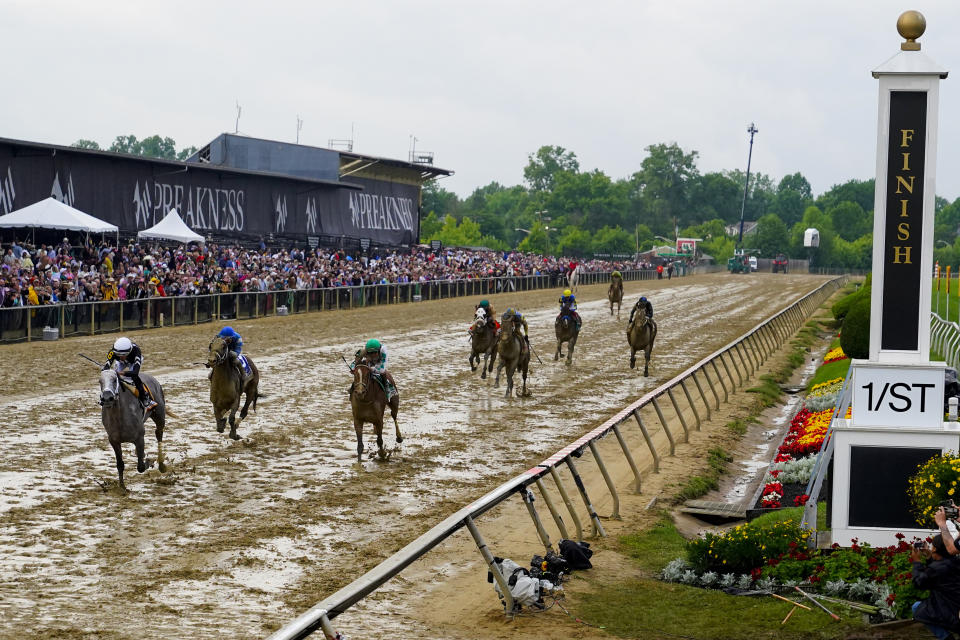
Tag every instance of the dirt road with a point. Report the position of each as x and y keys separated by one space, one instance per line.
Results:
x=239 y=537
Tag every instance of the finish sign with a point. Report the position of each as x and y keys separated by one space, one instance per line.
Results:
x=902 y=396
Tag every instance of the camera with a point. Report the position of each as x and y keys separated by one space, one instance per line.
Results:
x=919 y=544
x=950 y=509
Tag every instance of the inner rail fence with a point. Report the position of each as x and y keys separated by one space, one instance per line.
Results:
x=19 y=324
x=945 y=339
x=663 y=417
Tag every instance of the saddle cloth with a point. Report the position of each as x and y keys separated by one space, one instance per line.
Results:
x=247 y=371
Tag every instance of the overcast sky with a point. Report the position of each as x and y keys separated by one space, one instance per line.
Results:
x=480 y=84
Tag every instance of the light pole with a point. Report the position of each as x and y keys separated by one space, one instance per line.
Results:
x=752 y=130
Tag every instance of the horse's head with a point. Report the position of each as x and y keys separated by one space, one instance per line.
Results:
x=565 y=309
x=217 y=351
x=109 y=388
x=361 y=379
x=479 y=320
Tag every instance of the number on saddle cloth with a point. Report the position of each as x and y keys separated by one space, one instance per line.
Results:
x=245 y=365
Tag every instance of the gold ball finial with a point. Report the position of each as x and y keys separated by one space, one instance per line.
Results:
x=911 y=25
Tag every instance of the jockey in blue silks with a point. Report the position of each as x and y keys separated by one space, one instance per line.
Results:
x=235 y=344
x=569 y=299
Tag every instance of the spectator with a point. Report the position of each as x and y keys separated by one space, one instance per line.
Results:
x=936 y=571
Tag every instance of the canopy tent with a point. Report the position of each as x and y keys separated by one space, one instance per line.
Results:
x=172 y=227
x=53 y=214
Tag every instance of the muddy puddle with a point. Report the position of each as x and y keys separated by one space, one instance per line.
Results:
x=238 y=537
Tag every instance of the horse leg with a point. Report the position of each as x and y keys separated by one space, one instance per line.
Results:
x=159 y=419
x=141 y=454
x=633 y=357
x=496 y=381
x=378 y=428
x=234 y=423
x=510 y=369
x=559 y=352
x=646 y=359
x=394 y=409
x=251 y=394
x=119 y=456
x=221 y=416
x=493 y=357
x=473 y=355
x=573 y=343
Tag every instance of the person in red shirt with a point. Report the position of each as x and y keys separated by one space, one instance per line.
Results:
x=659 y=272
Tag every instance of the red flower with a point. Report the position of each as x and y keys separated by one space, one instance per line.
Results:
x=899 y=536
x=800 y=501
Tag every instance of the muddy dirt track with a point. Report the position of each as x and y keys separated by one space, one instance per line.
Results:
x=239 y=537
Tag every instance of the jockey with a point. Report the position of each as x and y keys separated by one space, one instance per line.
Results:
x=616 y=279
x=488 y=313
x=644 y=304
x=235 y=344
x=374 y=355
x=126 y=359
x=519 y=321
x=569 y=299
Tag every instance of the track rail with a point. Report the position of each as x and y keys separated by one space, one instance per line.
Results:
x=739 y=360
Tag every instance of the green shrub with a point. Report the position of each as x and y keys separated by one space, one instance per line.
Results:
x=855 y=333
x=842 y=306
x=745 y=547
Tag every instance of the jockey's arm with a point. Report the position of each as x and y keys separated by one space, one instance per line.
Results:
x=380 y=366
x=237 y=345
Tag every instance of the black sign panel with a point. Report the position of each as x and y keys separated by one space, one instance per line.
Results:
x=135 y=193
x=880 y=499
x=903 y=237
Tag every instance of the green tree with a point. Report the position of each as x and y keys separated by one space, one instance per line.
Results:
x=83 y=143
x=715 y=195
x=850 y=220
x=543 y=166
x=815 y=219
x=430 y=227
x=435 y=198
x=589 y=200
x=126 y=144
x=613 y=240
x=793 y=196
x=575 y=242
x=537 y=241
x=157 y=147
x=760 y=194
x=185 y=153
x=859 y=191
x=772 y=236
x=666 y=181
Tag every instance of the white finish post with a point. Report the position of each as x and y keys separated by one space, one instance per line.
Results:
x=897 y=395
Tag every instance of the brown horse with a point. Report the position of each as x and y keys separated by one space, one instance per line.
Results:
x=226 y=387
x=615 y=293
x=368 y=400
x=640 y=334
x=483 y=340
x=567 y=331
x=512 y=356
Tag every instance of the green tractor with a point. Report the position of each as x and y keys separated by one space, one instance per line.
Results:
x=739 y=263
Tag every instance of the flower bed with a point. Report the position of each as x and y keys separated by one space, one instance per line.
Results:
x=773 y=556
x=834 y=355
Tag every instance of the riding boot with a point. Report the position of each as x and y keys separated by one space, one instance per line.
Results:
x=391 y=386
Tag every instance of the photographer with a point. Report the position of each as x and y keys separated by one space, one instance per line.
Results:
x=946 y=516
x=936 y=571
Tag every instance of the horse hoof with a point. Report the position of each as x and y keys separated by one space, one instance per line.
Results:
x=162 y=466
x=400 y=439
x=220 y=429
x=234 y=435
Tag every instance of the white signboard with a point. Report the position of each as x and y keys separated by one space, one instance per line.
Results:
x=898 y=396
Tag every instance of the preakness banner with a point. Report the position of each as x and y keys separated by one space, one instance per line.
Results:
x=135 y=193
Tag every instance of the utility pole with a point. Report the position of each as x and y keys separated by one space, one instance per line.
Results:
x=752 y=130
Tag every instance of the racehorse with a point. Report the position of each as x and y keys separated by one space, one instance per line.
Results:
x=226 y=387
x=640 y=334
x=483 y=340
x=368 y=401
x=573 y=278
x=567 y=331
x=512 y=356
x=615 y=294
x=123 y=417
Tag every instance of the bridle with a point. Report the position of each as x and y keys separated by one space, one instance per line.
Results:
x=113 y=387
x=221 y=354
x=361 y=382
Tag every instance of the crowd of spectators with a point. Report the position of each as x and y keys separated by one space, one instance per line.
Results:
x=51 y=274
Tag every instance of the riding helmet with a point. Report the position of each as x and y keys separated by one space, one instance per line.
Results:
x=643 y=299
x=567 y=293
x=122 y=346
x=373 y=345
x=227 y=332
x=484 y=303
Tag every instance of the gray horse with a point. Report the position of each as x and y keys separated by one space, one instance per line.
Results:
x=567 y=331
x=123 y=418
x=226 y=387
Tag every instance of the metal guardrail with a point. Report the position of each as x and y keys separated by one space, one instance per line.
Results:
x=945 y=339
x=18 y=324
x=742 y=356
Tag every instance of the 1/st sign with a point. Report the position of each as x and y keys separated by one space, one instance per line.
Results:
x=898 y=396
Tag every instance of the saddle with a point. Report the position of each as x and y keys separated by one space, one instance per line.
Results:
x=132 y=388
x=247 y=371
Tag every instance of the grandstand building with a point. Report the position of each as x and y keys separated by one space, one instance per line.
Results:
x=235 y=188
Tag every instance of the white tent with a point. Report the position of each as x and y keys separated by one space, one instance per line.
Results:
x=172 y=227
x=53 y=214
